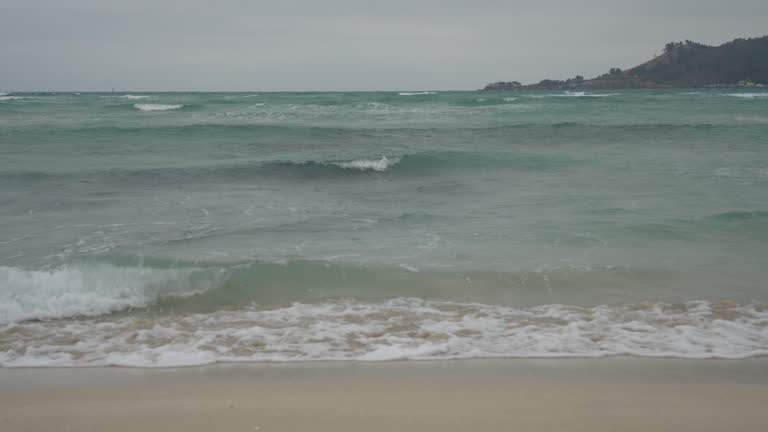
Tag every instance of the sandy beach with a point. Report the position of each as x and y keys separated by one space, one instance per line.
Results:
x=489 y=395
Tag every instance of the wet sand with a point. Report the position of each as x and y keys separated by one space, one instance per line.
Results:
x=481 y=395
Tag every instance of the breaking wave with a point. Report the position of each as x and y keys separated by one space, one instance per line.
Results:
x=369 y=164
x=157 y=107
x=398 y=329
x=573 y=94
x=423 y=93
x=408 y=164
x=135 y=97
x=167 y=314
x=91 y=290
x=748 y=95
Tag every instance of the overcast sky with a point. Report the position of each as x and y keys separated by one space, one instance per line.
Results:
x=344 y=44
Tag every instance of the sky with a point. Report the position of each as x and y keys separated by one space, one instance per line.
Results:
x=337 y=45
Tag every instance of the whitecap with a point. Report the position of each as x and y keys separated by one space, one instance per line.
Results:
x=748 y=95
x=369 y=164
x=88 y=290
x=578 y=94
x=585 y=94
x=157 y=107
x=128 y=96
x=417 y=93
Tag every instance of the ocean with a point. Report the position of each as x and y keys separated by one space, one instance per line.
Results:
x=178 y=229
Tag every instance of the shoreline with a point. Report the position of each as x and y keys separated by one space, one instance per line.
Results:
x=623 y=394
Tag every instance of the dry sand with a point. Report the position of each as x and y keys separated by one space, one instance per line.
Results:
x=508 y=395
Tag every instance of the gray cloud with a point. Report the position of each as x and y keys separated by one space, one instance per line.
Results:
x=343 y=44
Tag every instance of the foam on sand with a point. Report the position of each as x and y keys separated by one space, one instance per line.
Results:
x=398 y=329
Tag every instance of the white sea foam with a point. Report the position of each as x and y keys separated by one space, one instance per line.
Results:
x=128 y=96
x=3 y=94
x=393 y=330
x=585 y=94
x=376 y=108
x=417 y=93
x=10 y=98
x=157 y=107
x=570 y=94
x=748 y=95
x=382 y=164
x=509 y=99
x=87 y=290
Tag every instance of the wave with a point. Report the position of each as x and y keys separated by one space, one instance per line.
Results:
x=738 y=216
x=748 y=95
x=726 y=226
x=157 y=107
x=397 y=329
x=407 y=164
x=135 y=97
x=418 y=164
x=164 y=313
x=423 y=93
x=578 y=94
x=485 y=102
x=91 y=290
x=118 y=283
x=213 y=129
x=11 y=98
x=382 y=164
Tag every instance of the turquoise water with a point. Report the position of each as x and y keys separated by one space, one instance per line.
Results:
x=158 y=229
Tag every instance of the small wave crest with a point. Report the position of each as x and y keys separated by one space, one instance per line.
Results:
x=135 y=97
x=398 y=329
x=748 y=95
x=157 y=107
x=382 y=164
x=423 y=93
x=573 y=94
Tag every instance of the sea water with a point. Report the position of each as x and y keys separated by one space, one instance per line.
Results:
x=167 y=229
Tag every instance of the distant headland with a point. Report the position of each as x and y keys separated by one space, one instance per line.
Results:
x=739 y=63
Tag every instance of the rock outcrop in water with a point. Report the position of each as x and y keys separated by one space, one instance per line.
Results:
x=739 y=63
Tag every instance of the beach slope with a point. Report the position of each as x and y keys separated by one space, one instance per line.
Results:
x=535 y=395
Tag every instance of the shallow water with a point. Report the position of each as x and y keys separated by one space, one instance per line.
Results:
x=159 y=229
